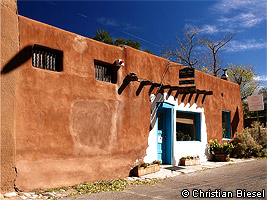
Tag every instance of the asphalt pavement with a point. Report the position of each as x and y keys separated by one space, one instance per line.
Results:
x=237 y=181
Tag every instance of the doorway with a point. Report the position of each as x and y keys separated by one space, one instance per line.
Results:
x=164 y=132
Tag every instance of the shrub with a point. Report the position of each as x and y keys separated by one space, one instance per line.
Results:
x=259 y=134
x=250 y=143
x=216 y=147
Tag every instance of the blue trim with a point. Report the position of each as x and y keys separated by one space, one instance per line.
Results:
x=228 y=115
x=167 y=110
x=198 y=124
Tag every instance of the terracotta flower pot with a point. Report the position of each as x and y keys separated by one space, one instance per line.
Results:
x=222 y=157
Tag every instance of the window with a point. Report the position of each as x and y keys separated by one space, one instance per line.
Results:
x=105 y=72
x=226 y=126
x=47 y=58
x=187 y=126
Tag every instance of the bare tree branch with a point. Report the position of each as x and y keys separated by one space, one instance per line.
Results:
x=214 y=48
x=184 y=51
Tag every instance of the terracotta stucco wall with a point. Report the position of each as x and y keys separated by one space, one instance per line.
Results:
x=9 y=49
x=71 y=128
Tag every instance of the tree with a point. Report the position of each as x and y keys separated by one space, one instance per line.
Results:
x=133 y=44
x=263 y=91
x=103 y=36
x=244 y=76
x=211 y=60
x=120 y=41
x=184 y=52
x=148 y=51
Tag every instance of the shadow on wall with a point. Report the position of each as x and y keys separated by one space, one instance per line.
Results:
x=154 y=108
x=235 y=122
x=20 y=58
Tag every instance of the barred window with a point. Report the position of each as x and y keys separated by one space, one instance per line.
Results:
x=105 y=72
x=47 y=58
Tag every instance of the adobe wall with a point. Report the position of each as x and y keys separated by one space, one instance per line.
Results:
x=9 y=48
x=71 y=128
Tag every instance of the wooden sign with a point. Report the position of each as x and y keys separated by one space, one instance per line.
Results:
x=187 y=73
x=255 y=102
x=186 y=82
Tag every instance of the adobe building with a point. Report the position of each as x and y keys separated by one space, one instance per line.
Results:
x=74 y=109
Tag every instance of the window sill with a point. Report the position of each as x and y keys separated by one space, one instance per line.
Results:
x=227 y=139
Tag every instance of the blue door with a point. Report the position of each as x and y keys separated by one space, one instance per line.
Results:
x=164 y=133
x=161 y=137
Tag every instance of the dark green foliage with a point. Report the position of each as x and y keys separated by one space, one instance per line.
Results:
x=103 y=36
x=216 y=147
x=252 y=142
x=120 y=41
x=244 y=76
x=133 y=44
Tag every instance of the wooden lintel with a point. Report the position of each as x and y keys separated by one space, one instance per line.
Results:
x=153 y=86
x=132 y=78
x=176 y=95
x=141 y=86
x=203 y=99
x=190 y=97
x=166 y=86
x=184 y=95
x=209 y=93
x=126 y=82
x=186 y=90
x=174 y=88
x=146 y=82
x=205 y=92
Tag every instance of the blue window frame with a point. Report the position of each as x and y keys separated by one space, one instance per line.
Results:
x=188 y=126
x=226 y=125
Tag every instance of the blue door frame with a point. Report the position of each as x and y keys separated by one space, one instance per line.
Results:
x=164 y=132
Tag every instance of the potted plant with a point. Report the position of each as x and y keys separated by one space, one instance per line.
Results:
x=146 y=168
x=189 y=161
x=187 y=137
x=179 y=136
x=221 y=152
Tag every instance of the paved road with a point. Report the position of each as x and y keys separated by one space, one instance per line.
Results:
x=249 y=176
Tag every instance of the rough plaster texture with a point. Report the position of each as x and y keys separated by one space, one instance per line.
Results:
x=9 y=48
x=71 y=128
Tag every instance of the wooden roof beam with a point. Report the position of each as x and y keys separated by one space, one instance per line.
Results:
x=126 y=81
x=141 y=86
x=153 y=86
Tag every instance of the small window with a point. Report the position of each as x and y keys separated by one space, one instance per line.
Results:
x=47 y=58
x=187 y=126
x=105 y=72
x=226 y=126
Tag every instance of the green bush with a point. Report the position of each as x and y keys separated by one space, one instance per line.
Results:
x=216 y=147
x=250 y=143
x=259 y=134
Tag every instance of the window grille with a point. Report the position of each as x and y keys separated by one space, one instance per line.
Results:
x=105 y=72
x=47 y=58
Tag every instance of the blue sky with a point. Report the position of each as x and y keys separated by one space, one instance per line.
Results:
x=156 y=23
